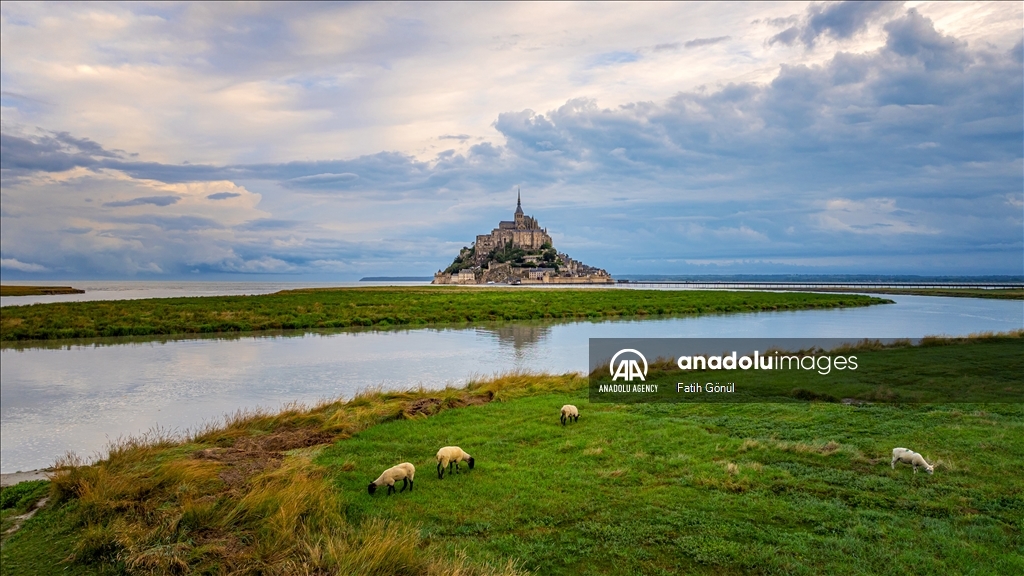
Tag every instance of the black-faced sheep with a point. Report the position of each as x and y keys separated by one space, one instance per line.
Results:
x=404 y=472
x=452 y=455
x=570 y=413
x=910 y=457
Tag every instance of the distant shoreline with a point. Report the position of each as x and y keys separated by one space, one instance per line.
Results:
x=827 y=278
x=12 y=478
x=396 y=279
x=7 y=290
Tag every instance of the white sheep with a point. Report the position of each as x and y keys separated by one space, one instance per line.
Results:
x=452 y=455
x=404 y=472
x=910 y=457
x=570 y=412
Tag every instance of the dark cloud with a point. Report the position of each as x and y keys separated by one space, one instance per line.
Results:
x=839 y=20
x=223 y=195
x=270 y=224
x=696 y=42
x=47 y=153
x=484 y=150
x=50 y=152
x=460 y=137
x=154 y=200
x=326 y=180
x=787 y=36
x=174 y=222
x=914 y=36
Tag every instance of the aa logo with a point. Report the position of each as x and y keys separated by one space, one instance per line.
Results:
x=627 y=368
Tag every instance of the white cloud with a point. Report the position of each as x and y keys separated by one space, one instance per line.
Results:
x=15 y=264
x=874 y=216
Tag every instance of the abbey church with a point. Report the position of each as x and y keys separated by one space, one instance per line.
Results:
x=518 y=251
x=523 y=232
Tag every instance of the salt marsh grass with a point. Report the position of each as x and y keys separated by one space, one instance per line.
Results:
x=797 y=488
x=382 y=307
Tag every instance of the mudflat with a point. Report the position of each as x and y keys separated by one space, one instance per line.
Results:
x=38 y=290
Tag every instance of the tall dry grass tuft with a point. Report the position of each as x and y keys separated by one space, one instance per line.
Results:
x=516 y=384
x=974 y=337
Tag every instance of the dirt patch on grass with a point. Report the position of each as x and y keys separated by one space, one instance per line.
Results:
x=473 y=400
x=251 y=455
x=423 y=407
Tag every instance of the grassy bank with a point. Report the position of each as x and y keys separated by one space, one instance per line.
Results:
x=37 y=290
x=795 y=488
x=348 y=307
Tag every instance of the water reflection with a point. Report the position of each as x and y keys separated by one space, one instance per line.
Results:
x=521 y=337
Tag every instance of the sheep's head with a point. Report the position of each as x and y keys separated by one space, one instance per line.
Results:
x=472 y=462
x=930 y=469
x=371 y=488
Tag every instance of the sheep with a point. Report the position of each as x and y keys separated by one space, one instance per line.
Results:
x=450 y=455
x=404 y=472
x=910 y=457
x=570 y=412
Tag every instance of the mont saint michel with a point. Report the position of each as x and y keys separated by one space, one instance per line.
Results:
x=518 y=251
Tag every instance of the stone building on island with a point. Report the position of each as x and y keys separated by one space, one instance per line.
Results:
x=518 y=251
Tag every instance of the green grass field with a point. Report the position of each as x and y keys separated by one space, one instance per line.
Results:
x=669 y=489
x=787 y=488
x=349 y=307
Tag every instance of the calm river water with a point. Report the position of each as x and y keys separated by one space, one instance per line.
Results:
x=79 y=397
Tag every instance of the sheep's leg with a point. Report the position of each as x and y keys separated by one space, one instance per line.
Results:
x=562 y=418
x=893 y=463
x=440 y=470
x=391 y=489
x=405 y=482
x=410 y=485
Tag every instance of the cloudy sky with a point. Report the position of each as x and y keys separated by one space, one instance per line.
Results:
x=330 y=142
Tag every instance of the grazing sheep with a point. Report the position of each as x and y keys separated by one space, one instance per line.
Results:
x=450 y=455
x=910 y=457
x=404 y=472
x=570 y=412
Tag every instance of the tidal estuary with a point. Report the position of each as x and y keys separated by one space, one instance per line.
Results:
x=79 y=396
